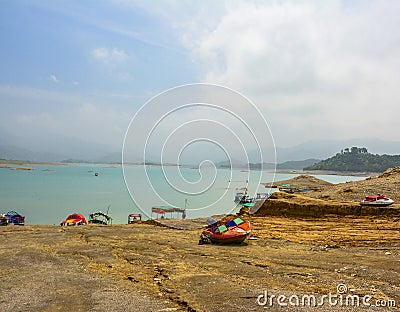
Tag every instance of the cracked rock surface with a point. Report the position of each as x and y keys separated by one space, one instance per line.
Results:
x=142 y=267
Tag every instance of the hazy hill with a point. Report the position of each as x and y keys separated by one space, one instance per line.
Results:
x=322 y=149
x=297 y=164
x=12 y=152
x=61 y=148
x=357 y=160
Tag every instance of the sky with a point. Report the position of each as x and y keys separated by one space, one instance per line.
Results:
x=80 y=70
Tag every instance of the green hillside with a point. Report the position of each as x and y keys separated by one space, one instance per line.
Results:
x=357 y=159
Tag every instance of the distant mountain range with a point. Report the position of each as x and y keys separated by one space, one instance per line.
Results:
x=55 y=149
x=58 y=150
x=297 y=164
x=287 y=165
x=112 y=158
x=16 y=153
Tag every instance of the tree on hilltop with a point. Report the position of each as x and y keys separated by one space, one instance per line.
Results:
x=357 y=159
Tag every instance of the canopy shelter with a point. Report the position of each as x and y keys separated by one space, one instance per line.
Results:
x=163 y=210
x=133 y=217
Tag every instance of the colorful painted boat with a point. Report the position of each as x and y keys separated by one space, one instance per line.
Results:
x=74 y=219
x=15 y=218
x=228 y=232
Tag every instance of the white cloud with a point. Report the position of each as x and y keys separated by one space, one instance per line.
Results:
x=119 y=55
x=54 y=78
x=316 y=69
x=100 y=53
x=110 y=55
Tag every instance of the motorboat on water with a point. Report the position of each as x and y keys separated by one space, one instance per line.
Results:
x=379 y=200
x=242 y=198
x=226 y=232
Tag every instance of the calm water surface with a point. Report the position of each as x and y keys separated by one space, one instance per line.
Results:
x=47 y=197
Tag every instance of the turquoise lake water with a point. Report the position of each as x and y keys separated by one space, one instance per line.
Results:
x=47 y=197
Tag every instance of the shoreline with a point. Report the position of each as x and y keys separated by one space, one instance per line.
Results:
x=328 y=172
x=9 y=163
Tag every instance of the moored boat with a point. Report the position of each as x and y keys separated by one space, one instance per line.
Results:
x=379 y=200
x=100 y=218
x=74 y=219
x=231 y=231
x=15 y=218
x=3 y=220
x=243 y=198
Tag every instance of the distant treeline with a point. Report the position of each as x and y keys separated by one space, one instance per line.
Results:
x=357 y=159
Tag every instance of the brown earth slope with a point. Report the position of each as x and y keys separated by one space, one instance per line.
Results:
x=144 y=267
x=294 y=205
x=387 y=183
x=301 y=181
x=334 y=199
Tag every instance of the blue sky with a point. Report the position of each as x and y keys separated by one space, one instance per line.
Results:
x=315 y=69
x=62 y=61
x=67 y=46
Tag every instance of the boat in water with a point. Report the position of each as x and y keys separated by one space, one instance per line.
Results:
x=379 y=200
x=243 y=198
x=226 y=232
x=100 y=217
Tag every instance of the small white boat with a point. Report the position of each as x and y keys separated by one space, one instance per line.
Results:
x=380 y=201
x=243 y=198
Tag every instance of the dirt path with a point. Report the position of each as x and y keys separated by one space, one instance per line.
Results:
x=149 y=268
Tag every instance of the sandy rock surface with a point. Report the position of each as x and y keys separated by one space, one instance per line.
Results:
x=143 y=267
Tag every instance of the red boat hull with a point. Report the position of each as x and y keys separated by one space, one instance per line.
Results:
x=74 y=219
x=233 y=234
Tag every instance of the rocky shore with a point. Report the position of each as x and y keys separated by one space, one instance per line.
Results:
x=301 y=245
x=145 y=267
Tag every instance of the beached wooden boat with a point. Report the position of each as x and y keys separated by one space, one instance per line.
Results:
x=231 y=231
x=74 y=219
x=3 y=220
x=100 y=218
x=15 y=218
